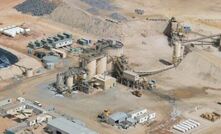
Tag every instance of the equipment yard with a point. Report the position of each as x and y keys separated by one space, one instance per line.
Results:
x=110 y=66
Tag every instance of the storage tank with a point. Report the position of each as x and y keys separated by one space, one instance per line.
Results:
x=59 y=81
x=177 y=49
x=101 y=65
x=29 y=72
x=177 y=52
x=91 y=67
x=69 y=82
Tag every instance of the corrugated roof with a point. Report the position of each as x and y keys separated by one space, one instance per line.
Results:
x=69 y=126
x=118 y=116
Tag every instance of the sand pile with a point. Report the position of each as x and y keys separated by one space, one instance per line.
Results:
x=82 y=20
x=202 y=65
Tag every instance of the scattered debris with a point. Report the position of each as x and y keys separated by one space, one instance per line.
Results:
x=211 y=116
x=137 y=93
x=139 y=11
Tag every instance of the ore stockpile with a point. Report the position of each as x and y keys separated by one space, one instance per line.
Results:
x=7 y=58
x=36 y=7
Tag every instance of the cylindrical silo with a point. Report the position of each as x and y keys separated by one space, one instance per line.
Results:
x=101 y=65
x=69 y=82
x=177 y=49
x=29 y=72
x=59 y=81
x=91 y=67
x=177 y=52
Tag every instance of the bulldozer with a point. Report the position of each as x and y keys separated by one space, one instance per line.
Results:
x=102 y=117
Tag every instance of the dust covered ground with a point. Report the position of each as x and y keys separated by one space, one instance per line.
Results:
x=195 y=82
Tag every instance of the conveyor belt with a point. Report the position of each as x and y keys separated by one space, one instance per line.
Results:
x=146 y=73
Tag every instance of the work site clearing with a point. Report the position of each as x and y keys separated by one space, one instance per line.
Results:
x=110 y=67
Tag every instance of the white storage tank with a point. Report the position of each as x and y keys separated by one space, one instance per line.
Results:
x=29 y=72
x=91 y=67
x=177 y=52
x=69 y=82
x=101 y=65
x=59 y=80
x=177 y=49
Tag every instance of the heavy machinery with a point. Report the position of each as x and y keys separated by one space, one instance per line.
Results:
x=151 y=85
x=137 y=93
x=102 y=117
x=211 y=116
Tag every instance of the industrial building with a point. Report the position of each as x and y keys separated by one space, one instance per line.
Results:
x=18 y=129
x=83 y=41
x=126 y=120
x=12 y=108
x=13 y=30
x=57 y=41
x=105 y=82
x=116 y=118
x=61 y=125
x=130 y=75
x=50 y=61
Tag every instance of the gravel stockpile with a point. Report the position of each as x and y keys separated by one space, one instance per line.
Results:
x=100 y=4
x=36 y=7
x=118 y=17
x=7 y=58
x=87 y=23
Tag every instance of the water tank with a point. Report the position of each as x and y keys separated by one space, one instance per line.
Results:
x=101 y=65
x=91 y=67
x=69 y=82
